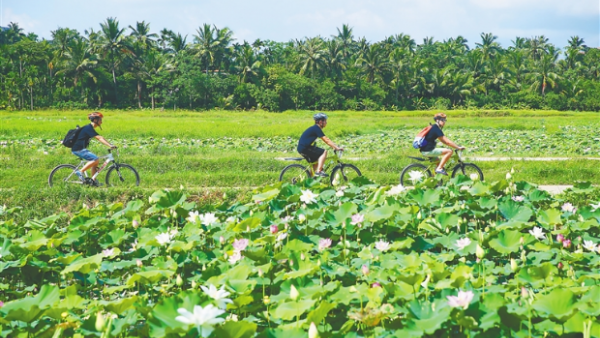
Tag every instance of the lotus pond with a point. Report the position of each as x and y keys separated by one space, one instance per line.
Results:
x=467 y=259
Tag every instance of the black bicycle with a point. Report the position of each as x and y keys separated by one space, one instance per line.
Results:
x=418 y=172
x=341 y=173
x=118 y=174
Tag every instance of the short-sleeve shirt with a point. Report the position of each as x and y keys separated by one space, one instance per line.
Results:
x=83 y=140
x=432 y=137
x=309 y=136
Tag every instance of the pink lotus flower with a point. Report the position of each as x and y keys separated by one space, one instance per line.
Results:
x=365 y=270
x=324 y=243
x=566 y=243
x=235 y=257
x=357 y=219
x=240 y=244
x=463 y=299
x=560 y=265
x=375 y=285
x=273 y=228
x=560 y=238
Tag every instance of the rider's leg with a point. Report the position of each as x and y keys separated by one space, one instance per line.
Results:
x=446 y=154
x=91 y=164
x=321 y=161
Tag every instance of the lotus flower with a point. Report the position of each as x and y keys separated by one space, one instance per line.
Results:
x=396 y=190
x=415 y=176
x=560 y=238
x=463 y=299
x=273 y=228
x=365 y=270
x=566 y=243
x=240 y=245
x=281 y=236
x=163 y=239
x=218 y=295
x=518 y=198
x=382 y=245
x=324 y=243
x=538 y=233
x=508 y=176
x=589 y=245
x=193 y=217
x=301 y=218
x=474 y=177
x=236 y=256
x=357 y=219
x=568 y=207
x=203 y=318
x=313 y=332
x=208 y=218
x=339 y=193
x=294 y=292
x=462 y=243
x=425 y=282
x=308 y=197
x=108 y=252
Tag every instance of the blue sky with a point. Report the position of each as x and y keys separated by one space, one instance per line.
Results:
x=283 y=20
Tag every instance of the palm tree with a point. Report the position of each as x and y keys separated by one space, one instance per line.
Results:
x=543 y=75
x=373 y=63
x=113 y=45
x=346 y=39
x=141 y=35
x=537 y=46
x=488 y=46
x=248 y=66
x=79 y=63
x=312 y=54
x=334 y=59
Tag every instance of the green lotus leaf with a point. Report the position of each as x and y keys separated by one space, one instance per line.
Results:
x=266 y=196
x=30 y=308
x=239 y=329
x=113 y=238
x=515 y=212
x=162 y=318
x=120 y=305
x=151 y=277
x=424 y=197
x=34 y=240
x=427 y=320
x=84 y=265
x=479 y=189
x=318 y=314
x=549 y=217
x=381 y=213
x=252 y=223
x=538 y=195
x=292 y=310
x=559 y=304
x=344 y=212
x=506 y=242
x=542 y=271
x=286 y=333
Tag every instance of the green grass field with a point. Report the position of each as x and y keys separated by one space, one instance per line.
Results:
x=233 y=152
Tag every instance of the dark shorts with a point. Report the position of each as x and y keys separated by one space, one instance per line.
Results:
x=312 y=154
x=85 y=155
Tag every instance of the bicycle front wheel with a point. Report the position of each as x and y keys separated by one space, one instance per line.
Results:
x=469 y=170
x=62 y=175
x=344 y=173
x=294 y=173
x=122 y=175
x=414 y=174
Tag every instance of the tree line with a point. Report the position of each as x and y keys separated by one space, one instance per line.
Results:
x=131 y=67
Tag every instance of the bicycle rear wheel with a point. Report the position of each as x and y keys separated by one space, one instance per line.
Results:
x=344 y=173
x=413 y=174
x=467 y=169
x=294 y=173
x=63 y=174
x=122 y=175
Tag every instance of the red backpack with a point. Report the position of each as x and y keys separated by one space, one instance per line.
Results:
x=420 y=140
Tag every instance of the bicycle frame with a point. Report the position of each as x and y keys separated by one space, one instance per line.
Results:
x=109 y=158
x=335 y=159
x=436 y=160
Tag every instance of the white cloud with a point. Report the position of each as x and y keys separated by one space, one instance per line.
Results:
x=560 y=7
x=359 y=19
x=27 y=23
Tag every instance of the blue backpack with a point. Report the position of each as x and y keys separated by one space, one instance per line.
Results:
x=420 y=141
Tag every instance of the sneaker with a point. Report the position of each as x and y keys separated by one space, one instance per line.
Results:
x=321 y=174
x=95 y=183
x=80 y=175
x=441 y=172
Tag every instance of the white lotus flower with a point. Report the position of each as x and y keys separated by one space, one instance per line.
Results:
x=396 y=190
x=301 y=218
x=193 y=217
x=281 y=236
x=426 y=282
x=308 y=197
x=294 y=292
x=235 y=257
x=538 y=233
x=218 y=295
x=508 y=176
x=568 y=207
x=415 y=176
x=518 y=198
x=313 y=332
x=208 y=218
x=474 y=177
x=463 y=299
x=589 y=245
x=382 y=245
x=163 y=239
x=339 y=193
x=462 y=243
x=324 y=243
x=106 y=253
x=240 y=244
x=203 y=318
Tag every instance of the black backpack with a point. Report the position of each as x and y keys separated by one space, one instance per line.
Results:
x=71 y=137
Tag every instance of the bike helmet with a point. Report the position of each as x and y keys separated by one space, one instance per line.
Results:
x=439 y=116
x=320 y=116
x=95 y=115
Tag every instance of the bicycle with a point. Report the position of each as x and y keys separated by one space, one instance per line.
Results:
x=340 y=174
x=417 y=172
x=118 y=174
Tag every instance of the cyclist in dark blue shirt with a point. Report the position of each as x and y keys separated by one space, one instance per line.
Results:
x=79 y=149
x=306 y=144
x=434 y=134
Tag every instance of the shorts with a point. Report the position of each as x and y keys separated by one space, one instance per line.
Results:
x=312 y=154
x=437 y=152
x=85 y=154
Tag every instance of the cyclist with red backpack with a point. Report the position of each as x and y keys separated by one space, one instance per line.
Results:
x=427 y=143
x=79 y=148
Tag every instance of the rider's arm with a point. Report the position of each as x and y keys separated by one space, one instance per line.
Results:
x=449 y=143
x=330 y=143
x=103 y=141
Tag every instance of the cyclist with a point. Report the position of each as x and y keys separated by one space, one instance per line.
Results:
x=432 y=136
x=306 y=144
x=79 y=149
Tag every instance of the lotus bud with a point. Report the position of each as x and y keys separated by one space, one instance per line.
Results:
x=487 y=229
x=266 y=300
x=375 y=285
x=508 y=176
x=135 y=224
x=224 y=195
x=447 y=230
x=294 y=293
x=523 y=255
x=179 y=280
x=260 y=272
x=312 y=331
x=560 y=238
x=302 y=257
x=512 y=170
x=419 y=215
x=571 y=272
x=462 y=260
x=513 y=265
x=64 y=315
x=522 y=240
x=203 y=267
x=560 y=266
x=222 y=240
x=100 y=321
x=248 y=228
x=566 y=243
x=524 y=292
x=194 y=284
x=139 y=263
x=365 y=270
x=318 y=262
x=479 y=252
